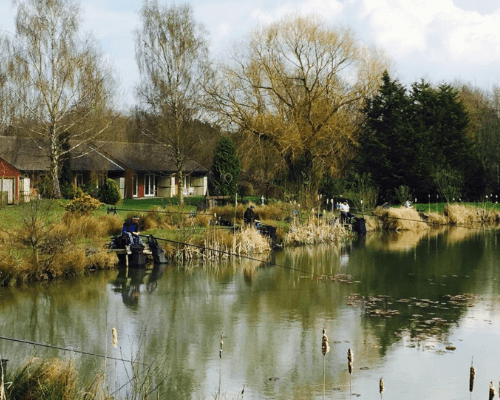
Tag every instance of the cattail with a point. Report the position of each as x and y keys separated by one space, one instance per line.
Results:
x=381 y=386
x=472 y=374
x=115 y=337
x=350 y=359
x=325 y=347
x=492 y=391
x=221 y=343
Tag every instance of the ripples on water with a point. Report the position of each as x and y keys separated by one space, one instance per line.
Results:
x=417 y=309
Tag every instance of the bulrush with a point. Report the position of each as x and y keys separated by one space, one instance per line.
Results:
x=115 y=337
x=350 y=360
x=325 y=346
x=472 y=374
x=221 y=343
x=381 y=387
x=492 y=391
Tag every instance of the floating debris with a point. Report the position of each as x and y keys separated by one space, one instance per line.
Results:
x=383 y=313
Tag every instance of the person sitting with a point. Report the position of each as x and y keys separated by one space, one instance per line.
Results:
x=131 y=229
x=249 y=215
x=345 y=215
x=408 y=204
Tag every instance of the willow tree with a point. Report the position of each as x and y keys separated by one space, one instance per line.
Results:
x=60 y=82
x=299 y=84
x=172 y=55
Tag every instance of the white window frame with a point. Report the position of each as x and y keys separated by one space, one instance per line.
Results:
x=79 y=180
x=135 y=185
x=149 y=185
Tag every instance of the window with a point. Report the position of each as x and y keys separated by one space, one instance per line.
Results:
x=149 y=185
x=79 y=180
x=135 y=186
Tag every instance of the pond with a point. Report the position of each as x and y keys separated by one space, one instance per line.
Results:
x=415 y=308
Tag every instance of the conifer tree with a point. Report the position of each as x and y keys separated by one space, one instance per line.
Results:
x=225 y=169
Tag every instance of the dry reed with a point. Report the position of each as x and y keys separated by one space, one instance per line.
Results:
x=492 y=391
x=402 y=218
x=52 y=379
x=314 y=231
x=381 y=387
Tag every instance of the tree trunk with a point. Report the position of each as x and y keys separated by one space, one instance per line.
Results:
x=54 y=175
x=180 y=195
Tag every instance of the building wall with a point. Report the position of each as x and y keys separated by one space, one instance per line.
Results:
x=7 y=171
x=129 y=183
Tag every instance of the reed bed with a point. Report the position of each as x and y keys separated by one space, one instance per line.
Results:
x=315 y=231
x=395 y=219
x=53 y=379
x=221 y=244
x=88 y=227
x=468 y=215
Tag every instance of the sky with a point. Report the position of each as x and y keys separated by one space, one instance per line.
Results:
x=436 y=40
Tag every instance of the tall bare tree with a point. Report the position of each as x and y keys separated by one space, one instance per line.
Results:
x=172 y=54
x=60 y=82
x=299 y=85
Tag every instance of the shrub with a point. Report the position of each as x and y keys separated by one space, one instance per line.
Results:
x=70 y=190
x=91 y=189
x=275 y=192
x=83 y=204
x=245 y=189
x=109 y=192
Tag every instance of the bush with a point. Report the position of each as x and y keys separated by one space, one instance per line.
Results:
x=109 y=192
x=91 y=189
x=245 y=189
x=275 y=192
x=83 y=204
x=70 y=191
x=44 y=187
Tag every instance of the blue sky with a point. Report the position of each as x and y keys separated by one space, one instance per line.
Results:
x=438 y=40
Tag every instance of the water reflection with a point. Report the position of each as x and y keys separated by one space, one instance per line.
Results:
x=129 y=281
x=403 y=311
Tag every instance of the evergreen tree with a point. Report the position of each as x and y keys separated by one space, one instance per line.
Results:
x=225 y=169
x=385 y=138
x=412 y=138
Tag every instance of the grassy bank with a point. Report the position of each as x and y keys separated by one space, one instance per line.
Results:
x=43 y=240
x=414 y=219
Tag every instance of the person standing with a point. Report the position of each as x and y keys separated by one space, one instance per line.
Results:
x=249 y=215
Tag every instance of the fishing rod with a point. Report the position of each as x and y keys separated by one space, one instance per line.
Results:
x=67 y=349
x=230 y=253
x=114 y=210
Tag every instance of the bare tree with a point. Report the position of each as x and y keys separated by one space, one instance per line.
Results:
x=172 y=55
x=299 y=85
x=60 y=82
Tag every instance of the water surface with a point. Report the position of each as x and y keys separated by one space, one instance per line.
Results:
x=272 y=318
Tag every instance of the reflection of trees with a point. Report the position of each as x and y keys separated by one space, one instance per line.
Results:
x=68 y=314
x=272 y=324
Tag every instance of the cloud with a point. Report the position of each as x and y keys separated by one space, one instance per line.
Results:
x=439 y=40
x=430 y=38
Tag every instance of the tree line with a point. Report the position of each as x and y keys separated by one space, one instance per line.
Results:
x=308 y=107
